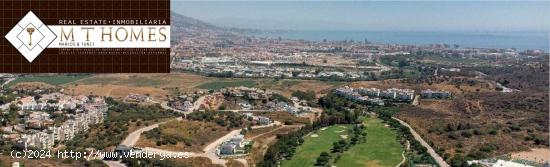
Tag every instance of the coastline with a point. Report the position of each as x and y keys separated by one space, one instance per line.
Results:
x=520 y=40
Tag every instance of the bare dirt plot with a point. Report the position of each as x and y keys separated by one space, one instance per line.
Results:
x=330 y=60
x=312 y=116
x=196 y=135
x=116 y=91
x=259 y=131
x=183 y=80
x=441 y=106
x=120 y=85
x=31 y=85
x=536 y=155
x=195 y=161
x=159 y=85
x=285 y=117
x=286 y=87
x=234 y=163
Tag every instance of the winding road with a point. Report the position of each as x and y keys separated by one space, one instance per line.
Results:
x=438 y=159
x=209 y=150
x=133 y=137
x=7 y=82
x=195 y=107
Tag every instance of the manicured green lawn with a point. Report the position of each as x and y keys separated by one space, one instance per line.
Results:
x=381 y=148
x=227 y=83
x=52 y=80
x=307 y=153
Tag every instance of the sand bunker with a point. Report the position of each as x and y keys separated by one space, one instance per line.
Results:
x=325 y=128
x=314 y=135
x=344 y=136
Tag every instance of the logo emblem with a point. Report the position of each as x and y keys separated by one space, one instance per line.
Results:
x=30 y=36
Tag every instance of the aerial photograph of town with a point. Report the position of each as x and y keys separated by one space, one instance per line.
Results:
x=303 y=84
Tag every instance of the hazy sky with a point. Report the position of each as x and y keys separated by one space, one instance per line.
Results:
x=372 y=15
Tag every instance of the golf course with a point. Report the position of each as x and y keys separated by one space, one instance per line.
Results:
x=381 y=149
x=314 y=144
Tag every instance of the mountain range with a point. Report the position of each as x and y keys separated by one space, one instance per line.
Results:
x=179 y=21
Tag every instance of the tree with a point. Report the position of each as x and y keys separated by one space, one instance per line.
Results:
x=323 y=159
x=304 y=95
x=301 y=140
x=340 y=146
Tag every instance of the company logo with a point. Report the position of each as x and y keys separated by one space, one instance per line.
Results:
x=30 y=36
x=114 y=37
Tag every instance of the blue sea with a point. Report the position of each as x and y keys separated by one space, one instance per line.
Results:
x=517 y=40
